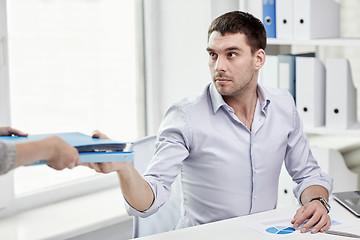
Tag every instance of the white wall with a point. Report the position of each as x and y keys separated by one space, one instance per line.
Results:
x=176 y=57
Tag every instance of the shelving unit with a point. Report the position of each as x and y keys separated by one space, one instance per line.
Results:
x=332 y=158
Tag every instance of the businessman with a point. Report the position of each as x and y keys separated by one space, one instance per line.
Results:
x=229 y=142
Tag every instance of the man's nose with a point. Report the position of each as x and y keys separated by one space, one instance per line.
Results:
x=220 y=64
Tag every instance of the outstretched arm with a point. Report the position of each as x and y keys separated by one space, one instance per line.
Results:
x=135 y=189
x=54 y=150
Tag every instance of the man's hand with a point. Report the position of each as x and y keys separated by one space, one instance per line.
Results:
x=135 y=189
x=315 y=211
x=107 y=167
x=98 y=134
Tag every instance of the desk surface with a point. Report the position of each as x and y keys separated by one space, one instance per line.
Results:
x=238 y=228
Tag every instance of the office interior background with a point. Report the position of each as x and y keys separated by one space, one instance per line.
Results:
x=115 y=66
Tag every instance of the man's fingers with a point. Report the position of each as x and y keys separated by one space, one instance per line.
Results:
x=71 y=165
x=324 y=219
x=297 y=220
x=100 y=167
x=312 y=221
x=93 y=166
x=327 y=225
x=106 y=167
x=318 y=219
x=77 y=161
x=98 y=134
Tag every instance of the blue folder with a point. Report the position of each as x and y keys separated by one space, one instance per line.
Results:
x=90 y=149
x=269 y=17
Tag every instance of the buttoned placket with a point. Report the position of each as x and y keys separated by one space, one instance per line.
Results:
x=259 y=119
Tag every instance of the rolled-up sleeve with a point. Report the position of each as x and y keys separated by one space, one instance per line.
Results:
x=171 y=149
x=153 y=208
x=300 y=163
x=7 y=157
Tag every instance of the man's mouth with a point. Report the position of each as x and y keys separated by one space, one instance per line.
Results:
x=222 y=80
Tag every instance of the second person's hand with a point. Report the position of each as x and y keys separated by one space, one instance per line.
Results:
x=8 y=131
x=61 y=155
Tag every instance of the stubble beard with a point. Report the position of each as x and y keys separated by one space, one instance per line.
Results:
x=233 y=90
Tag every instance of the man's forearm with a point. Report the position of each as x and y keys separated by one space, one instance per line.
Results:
x=313 y=192
x=135 y=189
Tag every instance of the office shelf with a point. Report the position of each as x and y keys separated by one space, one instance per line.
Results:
x=316 y=42
x=354 y=131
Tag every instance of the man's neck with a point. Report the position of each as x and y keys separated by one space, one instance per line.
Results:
x=244 y=107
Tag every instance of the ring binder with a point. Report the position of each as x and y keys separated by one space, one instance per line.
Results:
x=90 y=149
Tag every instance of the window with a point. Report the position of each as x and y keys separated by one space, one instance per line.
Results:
x=73 y=67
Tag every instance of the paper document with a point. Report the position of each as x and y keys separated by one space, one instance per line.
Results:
x=279 y=228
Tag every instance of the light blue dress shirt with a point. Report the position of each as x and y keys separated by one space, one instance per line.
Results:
x=227 y=170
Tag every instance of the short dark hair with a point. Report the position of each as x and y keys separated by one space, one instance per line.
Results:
x=241 y=22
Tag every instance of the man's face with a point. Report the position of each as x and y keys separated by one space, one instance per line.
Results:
x=231 y=63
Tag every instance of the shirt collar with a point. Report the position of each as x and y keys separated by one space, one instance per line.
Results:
x=263 y=98
x=216 y=98
x=218 y=101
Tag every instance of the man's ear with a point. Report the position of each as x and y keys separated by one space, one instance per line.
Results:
x=259 y=58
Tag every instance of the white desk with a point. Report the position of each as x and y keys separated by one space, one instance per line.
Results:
x=237 y=228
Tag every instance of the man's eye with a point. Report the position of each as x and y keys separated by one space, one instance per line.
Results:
x=231 y=54
x=212 y=55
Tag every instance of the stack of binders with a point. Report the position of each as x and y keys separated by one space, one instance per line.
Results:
x=90 y=149
x=310 y=91
x=280 y=71
x=341 y=107
x=298 y=19
x=325 y=94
